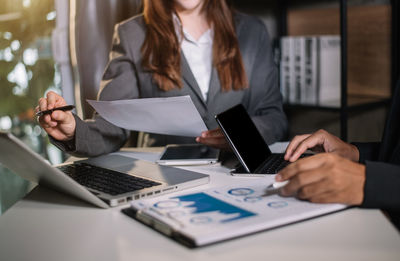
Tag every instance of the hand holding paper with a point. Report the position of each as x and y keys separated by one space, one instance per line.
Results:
x=170 y=116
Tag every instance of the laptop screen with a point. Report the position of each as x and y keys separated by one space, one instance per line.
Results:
x=244 y=137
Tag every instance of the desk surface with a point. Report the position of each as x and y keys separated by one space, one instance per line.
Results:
x=47 y=225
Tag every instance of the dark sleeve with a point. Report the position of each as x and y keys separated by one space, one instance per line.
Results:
x=93 y=138
x=382 y=186
x=368 y=150
x=265 y=100
x=97 y=136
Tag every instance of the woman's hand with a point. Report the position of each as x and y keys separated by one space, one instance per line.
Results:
x=320 y=141
x=324 y=178
x=59 y=124
x=213 y=138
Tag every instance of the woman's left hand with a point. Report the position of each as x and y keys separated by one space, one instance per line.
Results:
x=213 y=138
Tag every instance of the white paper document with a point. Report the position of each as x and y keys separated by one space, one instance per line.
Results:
x=222 y=213
x=170 y=116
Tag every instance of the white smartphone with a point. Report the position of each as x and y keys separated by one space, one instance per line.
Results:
x=188 y=154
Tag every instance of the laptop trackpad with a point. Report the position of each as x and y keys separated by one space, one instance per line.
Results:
x=115 y=162
x=135 y=167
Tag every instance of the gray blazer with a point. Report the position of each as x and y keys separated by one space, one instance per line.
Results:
x=124 y=78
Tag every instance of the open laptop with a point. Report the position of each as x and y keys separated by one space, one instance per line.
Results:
x=104 y=181
x=248 y=145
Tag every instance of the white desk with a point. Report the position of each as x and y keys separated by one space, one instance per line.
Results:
x=49 y=226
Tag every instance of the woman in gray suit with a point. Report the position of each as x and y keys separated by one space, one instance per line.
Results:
x=199 y=48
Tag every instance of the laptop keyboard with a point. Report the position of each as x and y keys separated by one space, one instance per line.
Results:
x=276 y=162
x=105 y=180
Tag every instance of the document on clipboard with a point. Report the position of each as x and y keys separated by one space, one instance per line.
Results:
x=170 y=116
x=223 y=213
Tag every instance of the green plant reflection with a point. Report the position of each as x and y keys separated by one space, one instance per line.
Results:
x=27 y=71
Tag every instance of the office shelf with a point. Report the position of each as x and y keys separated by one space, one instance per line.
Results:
x=355 y=103
x=348 y=102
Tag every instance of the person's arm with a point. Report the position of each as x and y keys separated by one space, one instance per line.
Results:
x=97 y=136
x=263 y=99
x=382 y=186
x=93 y=138
x=367 y=150
x=332 y=176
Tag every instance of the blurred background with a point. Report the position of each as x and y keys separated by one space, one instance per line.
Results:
x=27 y=71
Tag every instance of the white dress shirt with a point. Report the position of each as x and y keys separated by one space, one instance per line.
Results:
x=198 y=54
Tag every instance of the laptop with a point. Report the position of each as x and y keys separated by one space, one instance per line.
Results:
x=254 y=155
x=105 y=181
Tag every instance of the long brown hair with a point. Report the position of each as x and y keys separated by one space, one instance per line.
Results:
x=161 y=48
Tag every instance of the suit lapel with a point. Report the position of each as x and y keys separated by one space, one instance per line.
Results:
x=214 y=86
x=188 y=77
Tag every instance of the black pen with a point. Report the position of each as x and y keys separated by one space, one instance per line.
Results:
x=63 y=108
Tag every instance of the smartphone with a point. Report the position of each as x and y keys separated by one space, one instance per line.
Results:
x=188 y=154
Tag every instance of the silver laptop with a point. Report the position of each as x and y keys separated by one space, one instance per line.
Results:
x=104 y=181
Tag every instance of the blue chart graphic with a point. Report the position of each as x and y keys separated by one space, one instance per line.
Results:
x=204 y=203
x=241 y=191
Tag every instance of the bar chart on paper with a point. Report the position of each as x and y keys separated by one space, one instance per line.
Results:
x=201 y=208
x=227 y=212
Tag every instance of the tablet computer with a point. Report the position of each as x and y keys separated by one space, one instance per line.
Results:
x=249 y=146
x=188 y=154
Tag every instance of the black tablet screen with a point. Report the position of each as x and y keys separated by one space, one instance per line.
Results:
x=243 y=136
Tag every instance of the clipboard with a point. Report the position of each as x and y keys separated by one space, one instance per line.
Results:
x=223 y=213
